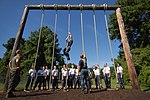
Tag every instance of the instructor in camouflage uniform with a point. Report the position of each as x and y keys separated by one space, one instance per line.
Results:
x=14 y=66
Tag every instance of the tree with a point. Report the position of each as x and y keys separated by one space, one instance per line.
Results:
x=142 y=64
x=5 y=60
x=136 y=15
x=6 y=57
x=28 y=48
x=44 y=52
x=141 y=58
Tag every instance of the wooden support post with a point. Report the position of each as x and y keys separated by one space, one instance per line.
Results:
x=17 y=43
x=126 y=48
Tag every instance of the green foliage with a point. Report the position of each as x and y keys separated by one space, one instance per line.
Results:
x=141 y=57
x=136 y=16
x=70 y=64
x=91 y=70
x=112 y=72
x=142 y=64
x=5 y=60
x=45 y=50
x=29 y=49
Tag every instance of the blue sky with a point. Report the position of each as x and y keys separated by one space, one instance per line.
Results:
x=11 y=13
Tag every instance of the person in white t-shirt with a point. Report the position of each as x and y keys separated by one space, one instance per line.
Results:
x=69 y=79
x=64 y=75
x=72 y=76
x=54 y=77
x=44 y=78
x=96 y=70
x=120 y=75
x=47 y=77
x=106 y=73
x=77 y=79
x=31 y=77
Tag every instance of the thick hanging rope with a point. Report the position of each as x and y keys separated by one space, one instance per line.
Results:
x=105 y=8
x=95 y=31
x=82 y=31
x=40 y=33
x=96 y=40
x=68 y=18
x=55 y=28
x=68 y=32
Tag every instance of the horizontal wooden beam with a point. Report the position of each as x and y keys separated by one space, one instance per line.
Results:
x=73 y=7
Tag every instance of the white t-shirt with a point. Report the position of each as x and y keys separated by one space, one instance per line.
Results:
x=106 y=70
x=55 y=72
x=72 y=71
x=119 y=69
x=64 y=72
x=32 y=72
x=96 y=71
x=47 y=71
x=69 y=38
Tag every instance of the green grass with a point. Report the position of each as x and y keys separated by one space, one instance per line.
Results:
x=1 y=87
x=19 y=87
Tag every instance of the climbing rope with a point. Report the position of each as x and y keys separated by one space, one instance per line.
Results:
x=68 y=18
x=40 y=33
x=68 y=31
x=105 y=8
x=96 y=39
x=82 y=31
x=95 y=31
x=55 y=28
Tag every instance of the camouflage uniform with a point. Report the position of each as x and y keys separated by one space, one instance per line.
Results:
x=14 y=74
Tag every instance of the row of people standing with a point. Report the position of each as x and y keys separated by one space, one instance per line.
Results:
x=107 y=76
x=71 y=77
x=43 y=76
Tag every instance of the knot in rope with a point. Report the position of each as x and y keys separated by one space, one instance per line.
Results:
x=81 y=7
x=42 y=6
x=55 y=6
x=105 y=6
x=93 y=6
x=68 y=6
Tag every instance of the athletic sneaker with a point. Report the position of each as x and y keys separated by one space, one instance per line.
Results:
x=68 y=58
x=89 y=91
x=26 y=90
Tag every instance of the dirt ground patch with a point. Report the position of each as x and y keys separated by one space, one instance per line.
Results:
x=76 y=94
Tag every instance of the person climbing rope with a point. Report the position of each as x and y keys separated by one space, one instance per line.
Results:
x=69 y=42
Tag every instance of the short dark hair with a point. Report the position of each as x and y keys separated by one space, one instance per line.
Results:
x=81 y=55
